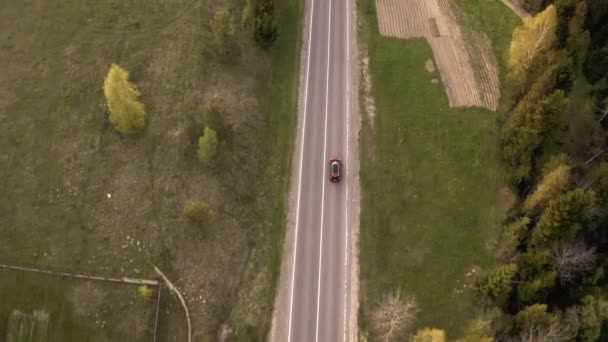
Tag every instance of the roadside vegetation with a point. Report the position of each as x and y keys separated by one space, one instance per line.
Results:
x=145 y=133
x=432 y=186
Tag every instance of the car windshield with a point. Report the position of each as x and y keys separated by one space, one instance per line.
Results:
x=334 y=167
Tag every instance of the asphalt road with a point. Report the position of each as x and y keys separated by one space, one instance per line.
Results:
x=317 y=306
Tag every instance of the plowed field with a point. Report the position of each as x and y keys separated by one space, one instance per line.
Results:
x=464 y=57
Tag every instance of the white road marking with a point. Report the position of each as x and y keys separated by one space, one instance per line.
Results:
x=295 y=243
x=323 y=168
x=346 y=244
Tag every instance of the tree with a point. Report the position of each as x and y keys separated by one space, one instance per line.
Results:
x=596 y=65
x=126 y=112
x=393 y=316
x=593 y=312
x=600 y=178
x=512 y=236
x=207 y=146
x=537 y=288
x=563 y=217
x=197 y=213
x=536 y=324
x=535 y=314
x=572 y=260
x=554 y=332
x=534 y=36
x=477 y=331
x=552 y=184
x=266 y=29
x=524 y=129
x=578 y=39
x=222 y=32
x=497 y=284
x=429 y=335
x=532 y=6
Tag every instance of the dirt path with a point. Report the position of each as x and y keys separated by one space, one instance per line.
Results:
x=463 y=57
x=515 y=6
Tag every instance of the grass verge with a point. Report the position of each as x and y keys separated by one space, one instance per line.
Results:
x=430 y=185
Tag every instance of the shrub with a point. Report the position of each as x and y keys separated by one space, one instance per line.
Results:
x=266 y=29
x=144 y=291
x=207 y=146
x=215 y=117
x=197 y=213
x=126 y=112
x=222 y=32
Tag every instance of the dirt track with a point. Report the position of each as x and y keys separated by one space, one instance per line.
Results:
x=464 y=58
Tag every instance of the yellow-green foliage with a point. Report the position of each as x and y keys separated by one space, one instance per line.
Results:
x=564 y=217
x=222 y=31
x=207 y=146
x=126 y=112
x=535 y=314
x=476 y=331
x=535 y=35
x=144 y=291
x=551 y=185
x=429 y=335
x=197 y=213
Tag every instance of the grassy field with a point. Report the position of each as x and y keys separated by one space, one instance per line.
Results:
x=431 y=181
x=79 y=309
x=79 y=197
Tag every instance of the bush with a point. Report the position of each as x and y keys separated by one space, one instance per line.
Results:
x=197 y=213
x=144 y=291
x=207 y=146
x=215 y=117
x=266 y=29
x=126 y=112
x=222 y=32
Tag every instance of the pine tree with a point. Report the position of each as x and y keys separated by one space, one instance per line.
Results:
x=498 y=282
x=563 y=217
x=552 y=184
x=525 y=128
x=126 y=112
x=537 y=288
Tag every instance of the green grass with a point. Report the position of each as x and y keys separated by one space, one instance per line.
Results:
x=61 y=157
x=430 y=186
x=496 y=20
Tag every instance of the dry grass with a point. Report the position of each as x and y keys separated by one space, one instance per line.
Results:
x=61 y=158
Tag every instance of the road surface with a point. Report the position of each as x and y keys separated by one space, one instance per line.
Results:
x=315 y=294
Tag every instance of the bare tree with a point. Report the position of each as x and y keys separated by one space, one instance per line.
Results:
x=393 y=316
x=554 y=332
x=572 y=260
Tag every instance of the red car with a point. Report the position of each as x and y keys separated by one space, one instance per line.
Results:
x=335 y=169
